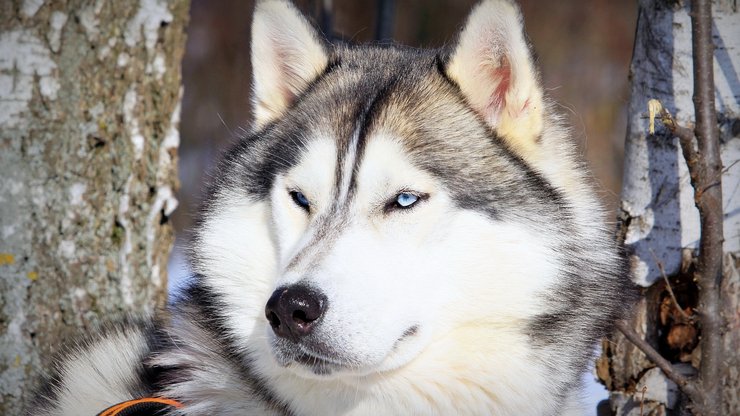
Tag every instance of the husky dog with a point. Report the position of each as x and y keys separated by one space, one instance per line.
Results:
x=405 y=232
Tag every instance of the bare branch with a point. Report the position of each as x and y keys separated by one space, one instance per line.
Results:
x=708 y=198
x=685 y=139
x=668 y=286
x=685 y=135
x=686 y=385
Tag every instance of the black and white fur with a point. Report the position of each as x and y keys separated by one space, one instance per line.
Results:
x=486 y=295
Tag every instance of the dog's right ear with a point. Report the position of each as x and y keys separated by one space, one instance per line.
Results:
x=287 y=54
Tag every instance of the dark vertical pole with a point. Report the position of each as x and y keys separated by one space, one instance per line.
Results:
x=325 y=19
x=384 y=23
x=708 y=198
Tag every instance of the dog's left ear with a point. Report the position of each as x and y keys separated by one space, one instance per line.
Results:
x=493 y=66
x=287 y=54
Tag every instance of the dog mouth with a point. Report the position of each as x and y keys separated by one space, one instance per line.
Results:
x=316 y=364
x=408 y=333
x=322 y=360
x=302 y=356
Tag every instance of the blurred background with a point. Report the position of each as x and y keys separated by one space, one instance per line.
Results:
x=584 y=50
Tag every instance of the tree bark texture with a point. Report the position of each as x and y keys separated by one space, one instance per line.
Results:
x=659 y=220
x=89 y=109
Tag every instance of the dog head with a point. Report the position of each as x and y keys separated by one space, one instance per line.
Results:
x=390 y=203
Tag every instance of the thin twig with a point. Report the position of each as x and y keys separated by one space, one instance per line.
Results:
x=732 y=165
x=685 y=135
x=686 y=385
x=668 y=286
x=708 y=198
x=685 y=139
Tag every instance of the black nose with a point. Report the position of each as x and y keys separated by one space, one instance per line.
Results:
x=294 y=311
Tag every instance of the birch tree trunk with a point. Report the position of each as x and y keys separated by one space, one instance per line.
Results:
x=89 y=107
x=659 y=221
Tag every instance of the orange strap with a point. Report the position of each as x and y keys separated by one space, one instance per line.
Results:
x=132 y=407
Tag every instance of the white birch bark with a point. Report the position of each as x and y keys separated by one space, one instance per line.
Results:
x=660 y=222
x=89 y=108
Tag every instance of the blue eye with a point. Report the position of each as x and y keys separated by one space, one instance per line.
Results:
x=406 y=200
x=300 y=199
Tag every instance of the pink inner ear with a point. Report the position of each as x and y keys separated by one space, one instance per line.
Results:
x=288 y=76
x=500 y=76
